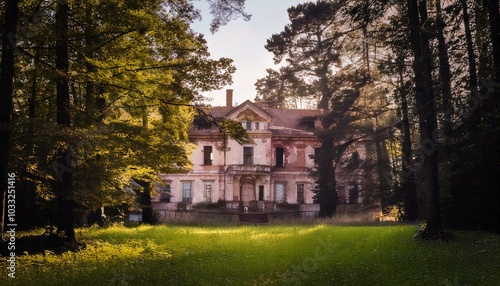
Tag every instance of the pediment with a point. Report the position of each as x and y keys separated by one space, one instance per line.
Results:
x=249 y=115
x=249 y=111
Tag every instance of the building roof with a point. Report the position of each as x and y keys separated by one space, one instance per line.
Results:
x=283 y=121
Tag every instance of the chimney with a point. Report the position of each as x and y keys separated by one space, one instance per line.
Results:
x=229 y=98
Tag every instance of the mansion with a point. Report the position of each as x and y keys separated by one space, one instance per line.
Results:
x=272 y=170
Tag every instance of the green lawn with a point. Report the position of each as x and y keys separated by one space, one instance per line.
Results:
x=264 y=255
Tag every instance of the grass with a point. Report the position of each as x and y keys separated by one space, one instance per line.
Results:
x=289 y=254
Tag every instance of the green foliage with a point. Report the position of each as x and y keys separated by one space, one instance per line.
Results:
x=136 y=69
x=315 y=47
x=264 y=255
x=288 y=207
x=220 y=204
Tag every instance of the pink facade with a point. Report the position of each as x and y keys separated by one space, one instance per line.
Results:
x=272 y=169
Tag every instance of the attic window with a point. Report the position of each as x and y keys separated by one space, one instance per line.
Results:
x=249 y=125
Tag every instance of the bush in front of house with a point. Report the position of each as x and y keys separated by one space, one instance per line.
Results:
x=220 y=204
x=287 y=207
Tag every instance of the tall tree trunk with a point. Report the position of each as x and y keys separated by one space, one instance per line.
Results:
x=470 y=49
x=64 y=172
x=493 y=13
x=494 y=109
x=482 y=40
x=444 y=70
x=327 y=196
x=6 y=95
x=424 y=93
x=90 y=87
x=408 y=186
x=326 y=193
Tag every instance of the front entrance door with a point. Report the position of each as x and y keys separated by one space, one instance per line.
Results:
x=247 y=193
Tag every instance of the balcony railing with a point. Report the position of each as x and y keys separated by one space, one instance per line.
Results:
x=249 y=169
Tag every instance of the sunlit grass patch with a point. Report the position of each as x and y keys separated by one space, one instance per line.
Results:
x=291 y=254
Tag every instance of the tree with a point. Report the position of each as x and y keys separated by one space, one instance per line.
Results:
x=7 y=68
x=312 y=45
x=225 y=11
x=419 y=36
x=283 y=89
x=125 y=93
x=64 y=188
x=494 y=17
x=394 y=36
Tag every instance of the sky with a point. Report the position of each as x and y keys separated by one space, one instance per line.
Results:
x=243 y=41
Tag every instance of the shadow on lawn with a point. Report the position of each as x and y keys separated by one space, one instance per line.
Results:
x=50 y=240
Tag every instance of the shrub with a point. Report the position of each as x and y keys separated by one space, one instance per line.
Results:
x=210 y=206
x=288 y=207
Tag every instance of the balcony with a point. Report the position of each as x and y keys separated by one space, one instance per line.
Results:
x=249 y=169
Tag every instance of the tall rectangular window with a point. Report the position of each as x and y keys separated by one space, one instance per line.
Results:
x=300 y=193
x=257 y=126
x=279 y=195
x=186 y=192
x=247 y=155
x=280 y=157
x=261 y=193
x=208 y=192
x=207 y=155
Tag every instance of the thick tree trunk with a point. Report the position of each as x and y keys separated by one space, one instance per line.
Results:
x=424 y=93
x=444 y=71
x=494 y=109
x=64 y=172
x=6 y=95
x=326 y=193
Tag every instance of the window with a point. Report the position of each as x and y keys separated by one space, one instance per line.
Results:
x=247 y=155
x=256 y=125
x=300 y=193
x=280 y=157
x=165 y=194
x=207 y=155
x=186 y=192
x=208 y=192
x=279 y=192
x=261 y=193
x=249 y=125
